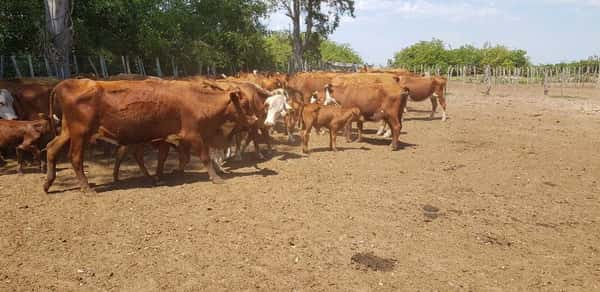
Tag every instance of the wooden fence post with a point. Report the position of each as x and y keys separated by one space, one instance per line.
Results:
x=598 y=80
x=127 y=65
x=124 y=65
x=31 y=73
x=93 y=66
x=17 y=71
x=562 y=82
x=158 y=69
x=546 y=87
x=75 y=65
x=103 y=67
x=488 y=79
x=48 y=68
x=174 y=66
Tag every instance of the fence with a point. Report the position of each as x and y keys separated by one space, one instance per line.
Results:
x=102 y=66
x=568 y=76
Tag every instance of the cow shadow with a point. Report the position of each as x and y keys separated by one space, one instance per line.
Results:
x=386 y=142
x=414 y=110
x=172 y=180
x=340 y=149
x=428 y=119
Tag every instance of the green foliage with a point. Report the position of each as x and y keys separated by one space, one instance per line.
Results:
x=225 y=33
x=279 y=47
x=20 y=26
x=435 y=53
x=334 y=52
x=280 y=50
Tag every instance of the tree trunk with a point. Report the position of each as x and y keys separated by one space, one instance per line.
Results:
x=294 y=14
x=58 y=26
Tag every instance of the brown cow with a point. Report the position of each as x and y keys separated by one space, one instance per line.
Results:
x=258 y=99
x=379 y=96
x=330 y=117
x=135 y=112
x=422 y=88
x=32 y=96
x=269 y=81
x=25 y=136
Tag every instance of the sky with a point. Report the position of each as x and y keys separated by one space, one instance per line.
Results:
x=550 y=31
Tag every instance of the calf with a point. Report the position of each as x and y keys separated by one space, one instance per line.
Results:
x=25 y=136
x=330 y=117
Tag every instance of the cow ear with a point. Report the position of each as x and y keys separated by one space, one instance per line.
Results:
x=405 y=90
x=397 y=78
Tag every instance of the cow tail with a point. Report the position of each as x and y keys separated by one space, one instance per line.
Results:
x=51 y=112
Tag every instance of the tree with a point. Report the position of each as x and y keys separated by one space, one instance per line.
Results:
x=321 y=17
x=59 y=28
x=21 y=26
x=434 y=53
x=343 y=53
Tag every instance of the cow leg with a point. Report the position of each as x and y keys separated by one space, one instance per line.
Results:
x=121 y=152
x=163 y=153
x=203 y=152
x=76 y=153
x=332 y=138
x=138 y=154
x=184 y=157
x=265 y=135
x=52 y=150
x=359 y=126
x=396 y=127
x=347 y=131
x=442 y=100
x=306 y=135
x=20 y=161
x=382 y=127
x=289 y=127
x=256 y=147
x=434 y=105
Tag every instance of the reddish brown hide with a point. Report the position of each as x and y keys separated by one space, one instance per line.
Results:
x=135 y=112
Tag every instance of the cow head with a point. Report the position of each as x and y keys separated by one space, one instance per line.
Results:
x=276 y=107
x=329 y=100
x=7 y=111
x=243 y=113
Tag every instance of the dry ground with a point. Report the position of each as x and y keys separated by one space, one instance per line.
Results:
x=515 y=178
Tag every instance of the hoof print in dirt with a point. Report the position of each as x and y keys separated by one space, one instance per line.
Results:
x=369 y=261
x=430 y=212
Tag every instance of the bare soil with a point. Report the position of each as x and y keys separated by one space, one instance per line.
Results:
x=505 y=195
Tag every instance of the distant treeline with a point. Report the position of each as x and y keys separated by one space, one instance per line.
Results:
x=435 y=54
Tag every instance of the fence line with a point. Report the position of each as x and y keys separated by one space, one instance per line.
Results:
x=578 y=76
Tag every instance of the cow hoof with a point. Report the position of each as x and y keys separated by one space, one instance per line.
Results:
x=46 y=187
x=218 y=181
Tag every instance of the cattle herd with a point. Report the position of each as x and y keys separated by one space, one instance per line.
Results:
x=214 y=119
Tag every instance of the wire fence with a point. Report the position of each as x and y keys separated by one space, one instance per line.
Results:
x=569 y=76
x=19 y=66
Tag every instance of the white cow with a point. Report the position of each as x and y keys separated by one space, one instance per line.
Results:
x=7 y=111
x=278 y=107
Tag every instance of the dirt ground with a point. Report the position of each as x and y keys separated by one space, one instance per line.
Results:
x=504 y=196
